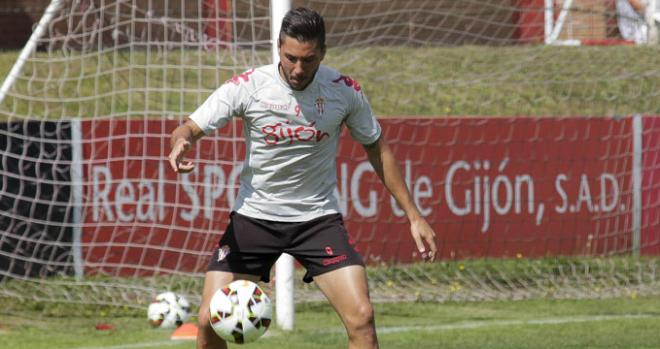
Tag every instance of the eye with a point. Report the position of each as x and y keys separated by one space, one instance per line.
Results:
x=291 y=59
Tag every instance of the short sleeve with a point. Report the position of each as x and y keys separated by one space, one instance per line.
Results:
x=218 y=109
x=360 y=121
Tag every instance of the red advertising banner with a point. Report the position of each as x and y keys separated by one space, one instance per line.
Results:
x=490 y=187
x=502 y=187
x=140 y=217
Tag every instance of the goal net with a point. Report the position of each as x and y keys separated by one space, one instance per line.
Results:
x=537 y=165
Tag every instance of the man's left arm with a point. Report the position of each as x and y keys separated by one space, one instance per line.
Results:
x=382 y=159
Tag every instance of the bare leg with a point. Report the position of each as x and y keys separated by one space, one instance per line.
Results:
x=348 y=292
x=206 y=338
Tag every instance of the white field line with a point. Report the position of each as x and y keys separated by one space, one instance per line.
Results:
x=413 y=328
x=136 y=345
x=467 y=325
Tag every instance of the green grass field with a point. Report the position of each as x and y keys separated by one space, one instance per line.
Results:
x=630 y=323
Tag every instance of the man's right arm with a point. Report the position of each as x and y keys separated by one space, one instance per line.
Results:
x=181 y=142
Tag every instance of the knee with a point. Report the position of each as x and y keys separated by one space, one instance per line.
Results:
x=361 y=319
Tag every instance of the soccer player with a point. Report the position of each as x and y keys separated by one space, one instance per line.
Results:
x=631 y=21
x=292 y=114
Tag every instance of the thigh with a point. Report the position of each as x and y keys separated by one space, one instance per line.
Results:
x=346 y=288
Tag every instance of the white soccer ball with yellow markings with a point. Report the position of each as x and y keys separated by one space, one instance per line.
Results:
x=240 y=312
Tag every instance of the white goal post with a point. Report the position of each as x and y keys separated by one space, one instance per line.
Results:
x=284 y=273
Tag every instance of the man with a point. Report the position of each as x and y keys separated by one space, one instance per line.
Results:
x=631 y=21
x=292 y=114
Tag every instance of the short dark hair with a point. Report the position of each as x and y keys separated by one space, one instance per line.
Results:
x=305 y=25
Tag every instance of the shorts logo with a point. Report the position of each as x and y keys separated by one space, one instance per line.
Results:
x=223 y=251
x=352 y=243
x=328 y=250
x=334 y=260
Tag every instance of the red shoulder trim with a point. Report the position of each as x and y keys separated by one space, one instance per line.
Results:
x=348 y=81
x=236 y=79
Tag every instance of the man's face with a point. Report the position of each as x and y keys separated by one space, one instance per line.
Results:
x=299 y=61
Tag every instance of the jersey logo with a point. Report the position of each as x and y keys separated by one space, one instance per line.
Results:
x=274 y=106
x=348 y=82
x=283 y=133
x=236 y=79
x=320 y=105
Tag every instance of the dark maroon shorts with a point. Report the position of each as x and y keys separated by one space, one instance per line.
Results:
x=251 y=246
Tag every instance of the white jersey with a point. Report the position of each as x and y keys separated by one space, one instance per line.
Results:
x=291 y=137
x=632 y=25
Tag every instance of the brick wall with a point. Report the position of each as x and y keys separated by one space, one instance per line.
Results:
x=590 y=19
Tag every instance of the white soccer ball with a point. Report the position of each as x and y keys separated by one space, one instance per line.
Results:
x=240 y=312
x=168 y=310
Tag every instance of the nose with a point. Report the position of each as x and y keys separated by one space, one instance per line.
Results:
x=298 y=68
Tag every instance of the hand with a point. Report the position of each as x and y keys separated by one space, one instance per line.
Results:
x=423 y=233
x=179 y=149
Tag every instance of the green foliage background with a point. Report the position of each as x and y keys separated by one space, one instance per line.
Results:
x=400 y=81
